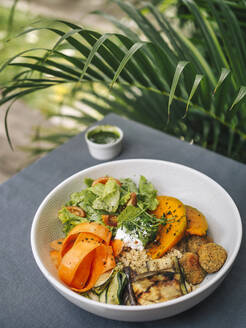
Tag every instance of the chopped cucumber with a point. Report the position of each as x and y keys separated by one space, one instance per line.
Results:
x=115 y=288
x=103 y=282
x=91 y=296
x=103 y=278
x=103 y=296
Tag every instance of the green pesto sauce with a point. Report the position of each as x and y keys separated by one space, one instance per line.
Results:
x=103 y=137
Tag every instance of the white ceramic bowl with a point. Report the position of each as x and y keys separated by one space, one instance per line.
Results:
x=190 y=186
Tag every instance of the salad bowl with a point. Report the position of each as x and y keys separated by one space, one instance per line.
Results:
x=184 y=183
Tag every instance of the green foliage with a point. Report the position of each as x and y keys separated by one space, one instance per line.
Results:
x=194 y=89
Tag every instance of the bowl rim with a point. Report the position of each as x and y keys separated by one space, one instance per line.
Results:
x=73 y=295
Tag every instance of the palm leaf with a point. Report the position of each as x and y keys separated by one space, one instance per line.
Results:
x=124 y=61
x=147 y=78
x=224 y=73
x=197 y=81
x=176 y=77
x=241 y=94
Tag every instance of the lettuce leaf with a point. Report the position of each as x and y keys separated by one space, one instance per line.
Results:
x=110 y=197
x=98 y=189
x=147 y=194
x=88 y=182
x=76 y=198
x=87 y=205
x=124 y=197
x=69 y=220
x=128 y=185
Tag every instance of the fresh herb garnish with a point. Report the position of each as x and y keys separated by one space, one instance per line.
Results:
x=141 y=224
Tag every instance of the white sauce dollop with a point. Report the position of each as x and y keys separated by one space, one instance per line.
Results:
x=129 y=239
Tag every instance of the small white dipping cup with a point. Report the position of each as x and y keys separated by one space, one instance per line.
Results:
x=108 y=151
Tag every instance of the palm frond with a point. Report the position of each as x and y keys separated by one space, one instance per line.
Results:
x=147 y=77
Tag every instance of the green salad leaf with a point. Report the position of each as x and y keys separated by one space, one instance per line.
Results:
x=127 y=187
x=76 y=198
x=124 y=197
x=110 y=197
x=147 y=194
x=88 y=182
x=87 y=205
x=69 y=220
x=98 y=189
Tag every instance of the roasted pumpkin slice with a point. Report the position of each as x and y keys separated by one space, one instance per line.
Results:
x=170 y=234
x=196 y=222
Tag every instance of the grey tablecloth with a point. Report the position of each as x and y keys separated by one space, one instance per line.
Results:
x=26 y=297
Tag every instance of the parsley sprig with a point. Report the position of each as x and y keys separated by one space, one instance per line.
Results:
x=140 y=223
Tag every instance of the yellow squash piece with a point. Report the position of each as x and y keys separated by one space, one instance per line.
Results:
x=196 y=222
x=170 y=234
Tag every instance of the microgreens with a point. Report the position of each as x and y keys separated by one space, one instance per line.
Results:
x=139 y=222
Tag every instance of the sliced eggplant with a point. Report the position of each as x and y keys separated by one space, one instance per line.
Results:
x=125 y=298
x=148 y=274
x=180 y=275
x=123 y=282
x=131 y=295
x=155 y=290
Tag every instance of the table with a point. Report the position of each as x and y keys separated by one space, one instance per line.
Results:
x=26 y=297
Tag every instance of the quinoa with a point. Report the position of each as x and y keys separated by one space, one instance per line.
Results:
x=140 y=262
x=134 y=258
x=165 y=262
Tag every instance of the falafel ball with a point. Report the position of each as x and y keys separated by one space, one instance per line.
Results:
x=194 y=273
x=212 y=257
x=195 y=242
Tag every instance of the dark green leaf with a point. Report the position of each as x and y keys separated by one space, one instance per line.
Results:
x=197 y=81
x=179 y=69
x=241 y=94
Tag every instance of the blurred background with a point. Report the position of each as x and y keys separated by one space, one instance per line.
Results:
x=30 y=114
x=188 y=80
